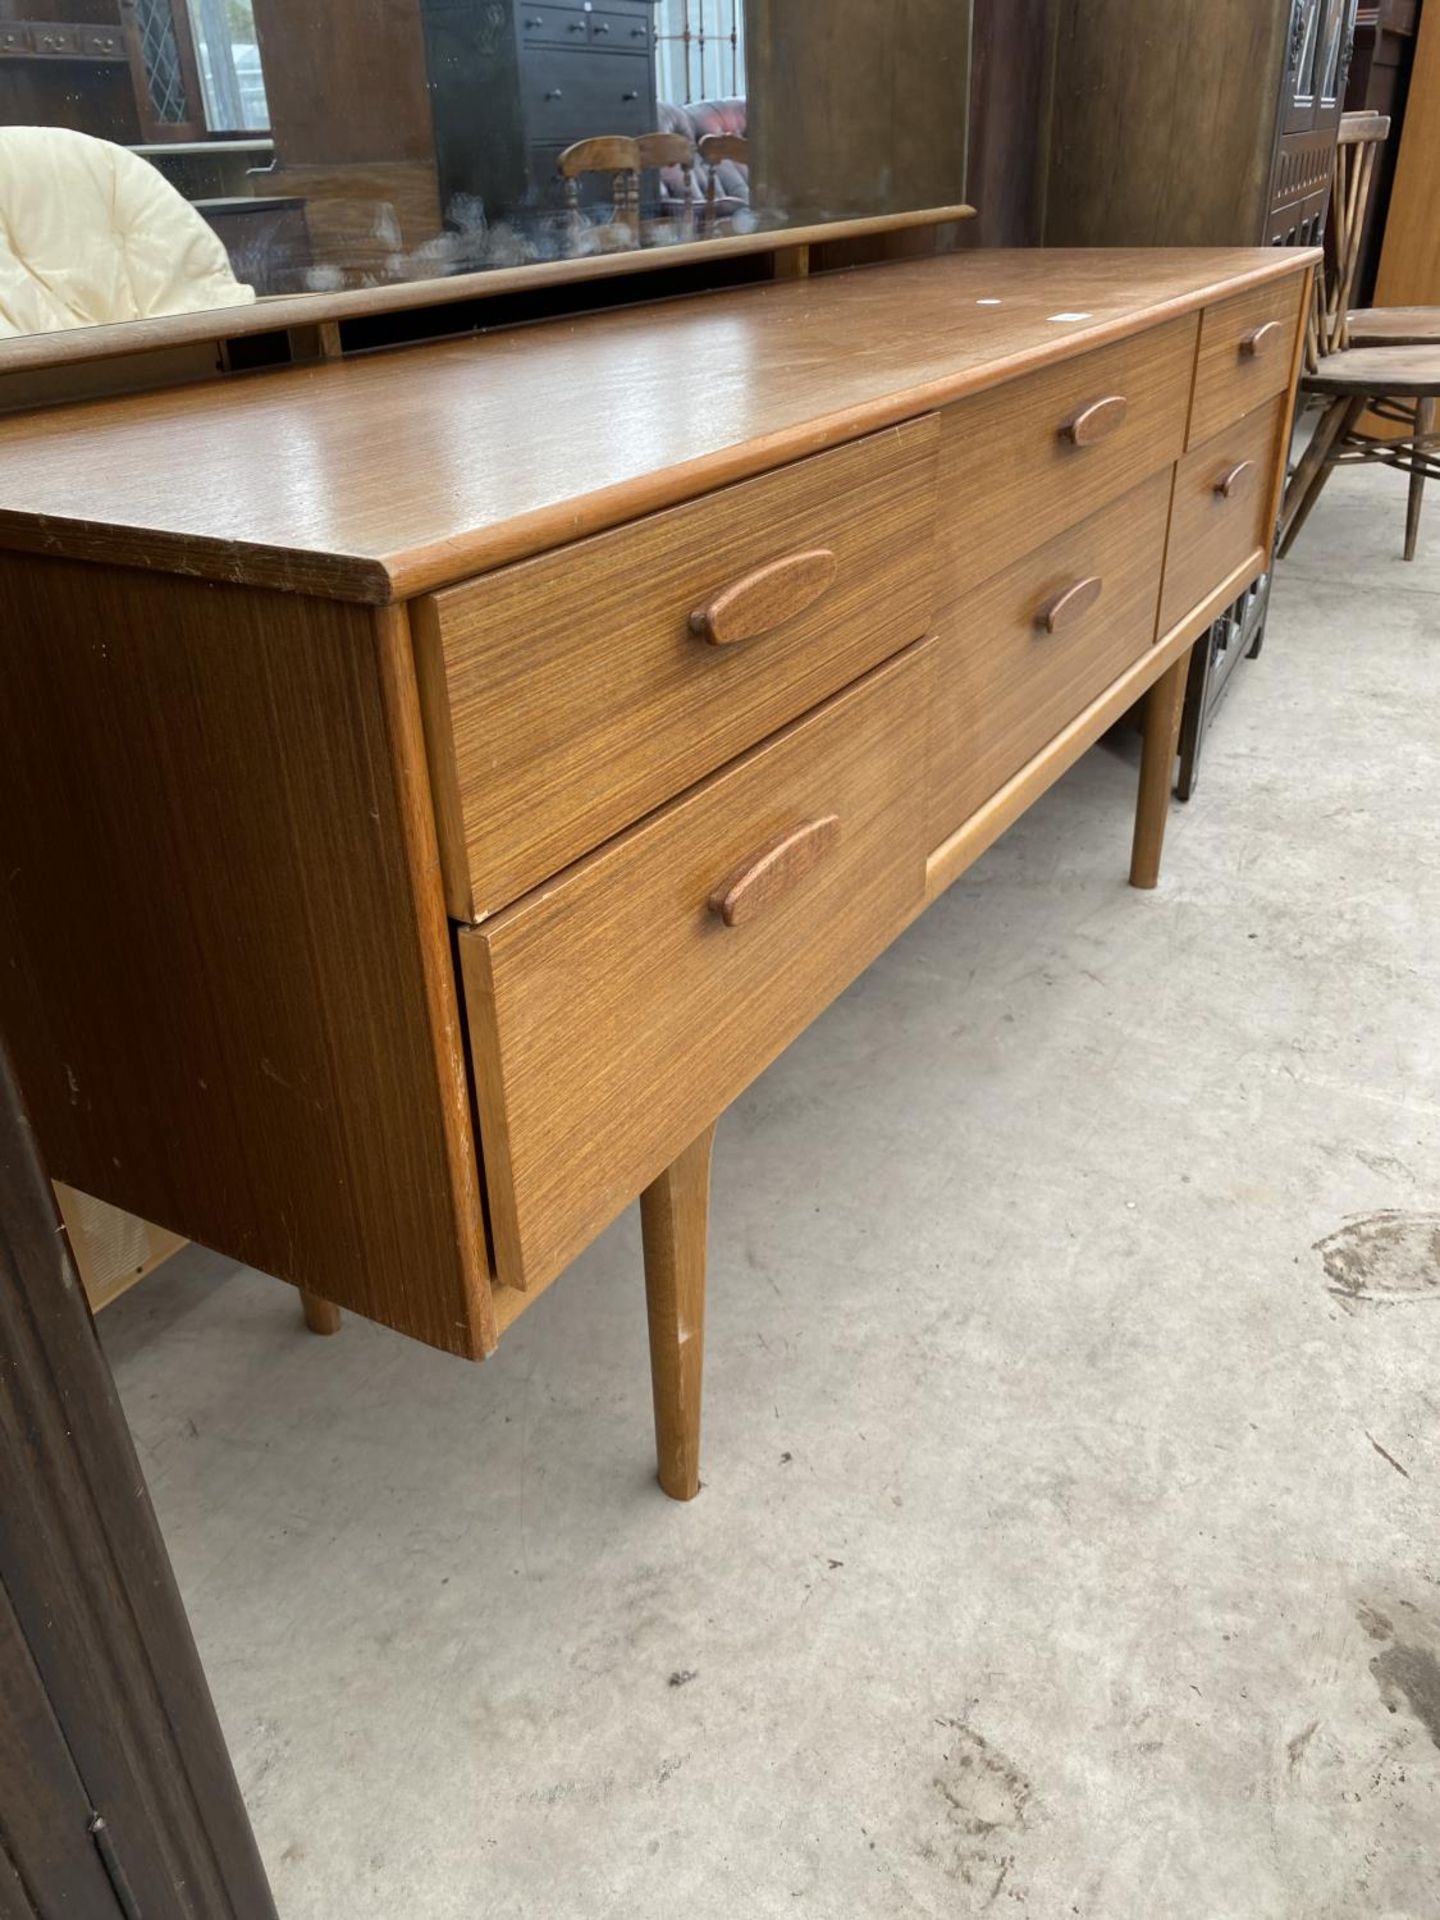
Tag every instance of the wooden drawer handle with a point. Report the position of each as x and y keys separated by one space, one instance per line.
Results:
x=1260 y=340
x=1068 y=606
x=763 y=599
x=1094 y=422
x=1232 y=482
x=769 y=874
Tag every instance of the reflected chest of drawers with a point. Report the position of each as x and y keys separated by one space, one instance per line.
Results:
x=436 y=785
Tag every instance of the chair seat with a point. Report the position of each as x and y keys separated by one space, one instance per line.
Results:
x=1409 y=371
x=1394 y=326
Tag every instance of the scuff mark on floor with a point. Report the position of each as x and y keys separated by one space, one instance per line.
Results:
x=1390 y=1258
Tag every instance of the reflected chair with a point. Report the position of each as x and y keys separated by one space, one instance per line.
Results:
x=90 y=233
x=1371 y=362
x=673 y=153
x=715 y=150
x=610 y=153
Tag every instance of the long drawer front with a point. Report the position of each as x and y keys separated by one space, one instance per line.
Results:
x=569 y=695
x=1021 y=462
x=616 y=1012
x=1019 y=657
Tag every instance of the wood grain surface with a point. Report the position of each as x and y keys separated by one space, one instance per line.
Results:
x=611 y=704
x=1003 y=685
x=1210 y=531
x=613 y=1015
x=1011 y=476
x=1231 y=376
x=226 y=971
x=384 y=476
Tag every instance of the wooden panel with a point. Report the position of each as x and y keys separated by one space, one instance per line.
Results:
x=1409 y=273
x=611 y=703
x=282 y=483
x=1163 y=121
x=1003 y=685
x=1010 y=479
x=1246 y=348
x=1211 y=531
x=112 y=1249
x=852 y=114
x=613 y=1014
x=224 y=962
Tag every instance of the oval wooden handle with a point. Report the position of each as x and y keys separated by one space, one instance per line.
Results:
x=1070 y=604
x=1236 y=478
x=1092 y=423
x=763 y=599
x=1260 y=339
x=771 y=872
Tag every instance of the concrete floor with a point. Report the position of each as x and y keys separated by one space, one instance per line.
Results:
x=1069 y=1542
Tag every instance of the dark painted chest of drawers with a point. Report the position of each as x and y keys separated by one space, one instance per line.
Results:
x=513 y=83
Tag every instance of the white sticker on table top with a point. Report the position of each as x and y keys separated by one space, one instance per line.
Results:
x=1071 y=316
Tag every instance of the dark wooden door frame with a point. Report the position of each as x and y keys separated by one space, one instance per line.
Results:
x=111 y=1756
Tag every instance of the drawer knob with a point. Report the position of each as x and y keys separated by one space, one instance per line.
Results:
x=1067 y=606
x=763 y=599
x=1260 y=340
x=1095 y=421
x=1235 y=480
x=769 y=874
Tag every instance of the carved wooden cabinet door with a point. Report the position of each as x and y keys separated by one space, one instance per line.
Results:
x=1321 y=35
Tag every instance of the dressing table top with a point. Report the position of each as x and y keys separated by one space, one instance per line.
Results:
x=386 y=475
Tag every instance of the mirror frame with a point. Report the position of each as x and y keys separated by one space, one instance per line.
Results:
x=76 y=346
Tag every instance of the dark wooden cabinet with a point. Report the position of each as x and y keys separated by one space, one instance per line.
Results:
x=548 y=76
x=1322 y=36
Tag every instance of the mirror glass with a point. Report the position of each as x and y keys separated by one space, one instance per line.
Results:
x=236 y=150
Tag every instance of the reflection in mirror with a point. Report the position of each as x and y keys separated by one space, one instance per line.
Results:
x=255 y=148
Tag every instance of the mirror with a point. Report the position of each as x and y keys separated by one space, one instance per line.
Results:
x=260 y=148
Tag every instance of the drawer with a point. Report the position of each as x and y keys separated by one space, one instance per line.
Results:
x=613 y=703
x=1023 y=461
x=1005 y=683
x=579 y=94
x=1247 y=346
x=620 y=30
x=552 y=26
x=14 y=39
x=615 y=1013
x=1224 y=503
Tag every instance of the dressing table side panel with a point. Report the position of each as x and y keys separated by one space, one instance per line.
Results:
x=225 y=969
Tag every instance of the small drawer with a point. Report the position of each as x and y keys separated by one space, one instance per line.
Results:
x=628 y=666
x=1224 y=502
x=1021 y=462
x=616 y=30
x=1030 y=649
x=102 y=43
x=14 y=39
x=552 y=26
x=616 y=1013
x=48 y=36
x=569 y=94
x=1247 y=346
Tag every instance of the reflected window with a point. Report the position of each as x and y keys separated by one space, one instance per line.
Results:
x=700 y=49
x=230 y=76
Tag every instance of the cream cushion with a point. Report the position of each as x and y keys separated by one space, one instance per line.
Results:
x=90 y=232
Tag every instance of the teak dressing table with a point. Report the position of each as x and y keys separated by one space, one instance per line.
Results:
x=436 y=784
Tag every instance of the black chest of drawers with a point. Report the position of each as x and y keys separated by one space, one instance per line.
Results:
x=513 y=84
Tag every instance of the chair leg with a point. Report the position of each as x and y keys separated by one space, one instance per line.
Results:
x=1424 y=427
x=674 y=1221
x=321 y=1315
x=1307 y=482
x=1163 y=706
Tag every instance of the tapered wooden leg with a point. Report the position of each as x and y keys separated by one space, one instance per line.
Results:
x=321 y=1315
x=674 y=1219
x=1163 y=706
x=1424 y=427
